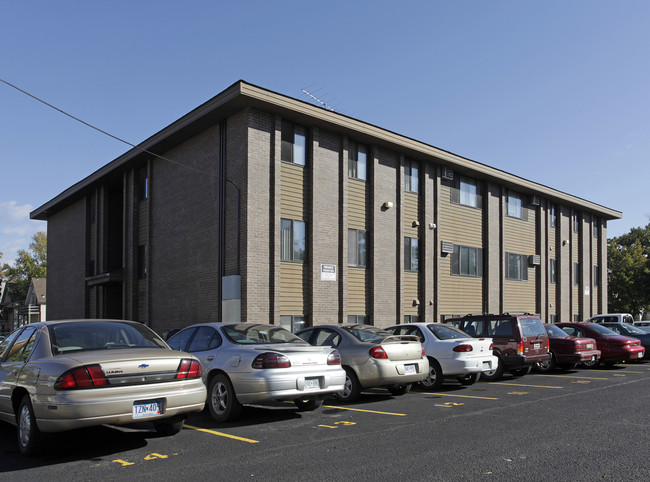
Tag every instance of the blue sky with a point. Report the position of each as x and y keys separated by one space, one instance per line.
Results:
x=557 y=92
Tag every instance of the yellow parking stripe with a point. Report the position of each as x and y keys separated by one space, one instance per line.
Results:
x=221 y=434
x=522 y=385
x=367 y=411
x=569 y=376
x=462 y=396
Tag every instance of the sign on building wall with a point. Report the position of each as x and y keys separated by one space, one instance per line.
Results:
x=328 y=272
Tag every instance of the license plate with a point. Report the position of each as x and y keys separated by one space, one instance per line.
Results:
x=593 y=358
x=487 y=366
x=312 y=383
x=590 y=346
x=536 y=346
x=640 y=355
x=148 y=408
x=409 y=369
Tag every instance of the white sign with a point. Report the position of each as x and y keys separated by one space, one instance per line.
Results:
x=328 y=272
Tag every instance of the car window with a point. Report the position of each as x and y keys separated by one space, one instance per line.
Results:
x=628 y=319
x=408 y=330
x=447 y=332
x=245 y=334
x=180 y=340
x=101 y=335
x=205 y=338
x=326 y=337
x=500 y=328
x=23 y=345
x=603 y=330
x=573 y=331
x=474 y=328
x=633 y=330
x=532 y=327
x=555 y=331
x=367 y=333
x=615 y=328
x=4 y=345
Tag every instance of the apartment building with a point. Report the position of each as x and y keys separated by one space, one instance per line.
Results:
x=259 y=207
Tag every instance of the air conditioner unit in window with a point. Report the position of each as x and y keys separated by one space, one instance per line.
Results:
x=534 y=260
x=535 y=200
x=447 y=174
x=447 y=247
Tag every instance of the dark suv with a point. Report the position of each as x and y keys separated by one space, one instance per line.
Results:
x=519 y=340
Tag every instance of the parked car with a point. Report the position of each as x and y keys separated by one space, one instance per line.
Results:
x=613 y=347
x=633 y=331
x=567 y=351
x=644 y=325
x=257 y=362
x=519 y=340
x=612 y=318
x=63 y=375
x=372 y=357
x=452 y=353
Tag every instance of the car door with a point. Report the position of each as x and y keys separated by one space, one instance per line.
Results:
x=204 y=345
x=13 y=360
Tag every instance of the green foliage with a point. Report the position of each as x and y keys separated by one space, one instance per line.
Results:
x=30 y=263
x=628 y=260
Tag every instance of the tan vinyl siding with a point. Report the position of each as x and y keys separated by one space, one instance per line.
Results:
x=552 y=304
x=575 y=258
x=519 y=238
x=411 y=293
x=411 y=213
x=356 y=291
x=595 y=296
x=356 y=204
x=459 y=294
x=291 y=288
x=291 y=191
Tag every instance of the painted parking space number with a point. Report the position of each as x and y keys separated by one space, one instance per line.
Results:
x=338 y=424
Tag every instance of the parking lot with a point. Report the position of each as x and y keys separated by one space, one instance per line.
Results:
x=575 y=425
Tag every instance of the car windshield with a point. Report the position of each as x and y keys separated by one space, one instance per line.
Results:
x=555 y=331
x=244 y=334
x=101 y=335
x=633 y=330
x=602 y=330
x=532 y=327
x=447 y=332
x=367 y=333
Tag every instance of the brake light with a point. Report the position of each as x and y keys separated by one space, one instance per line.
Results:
x=423 y=354
x=189 y=369
x=378 y=352
x=491 y=346
x=334 y=358
x=463 y=348
x=82 y=377
x=520 y=348
x=271 y=360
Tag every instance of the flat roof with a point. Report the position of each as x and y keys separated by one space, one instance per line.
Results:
x=242 y=94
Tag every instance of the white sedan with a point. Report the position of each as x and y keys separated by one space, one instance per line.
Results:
x=451 y=352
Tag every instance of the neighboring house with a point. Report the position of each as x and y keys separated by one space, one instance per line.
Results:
x=35 y=305
x=10 y=301
x=267 y=208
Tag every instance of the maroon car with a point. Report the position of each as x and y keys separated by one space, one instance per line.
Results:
x=567 y=351
x=613 y=347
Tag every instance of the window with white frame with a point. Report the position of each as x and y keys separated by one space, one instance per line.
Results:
x=467 y=261
x=357 y=248
x=292 y=240
x=357 y=161
x=294 y=143
x=515 y=206
x=411 y=176
x=358 y=319
x=410 y=254
x=516 y=267
x=466 y=192
x=292 y=323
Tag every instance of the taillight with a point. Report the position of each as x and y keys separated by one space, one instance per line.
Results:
x=463 y=348
x=491 y=346
x=271 y=360
x=378 y=352
x=189 y=369
x=82 y=377
x=334 y=358
x=520 y=348
x=423 y=354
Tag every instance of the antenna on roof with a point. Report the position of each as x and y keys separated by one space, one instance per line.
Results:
x=324 y=104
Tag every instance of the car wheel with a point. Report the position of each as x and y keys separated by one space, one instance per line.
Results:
x=167 y=429
x=434 y=380
x=29 y=436
x=352 y=389
x=567 y=366
x=398 y=390
x=222 y=401
x=307 y=405
x=546 y=365
x=469 y=379
x=520 y=372
x=495 y=374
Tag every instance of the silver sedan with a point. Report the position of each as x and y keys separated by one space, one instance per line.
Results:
x=63 y=375
x=253 y=363
x=372 y=357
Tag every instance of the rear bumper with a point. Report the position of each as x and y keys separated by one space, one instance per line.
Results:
x=378 y=373
x=635 y=353
x=514 y=362
x=74 y=409
x=591 y=355
x=457 y=367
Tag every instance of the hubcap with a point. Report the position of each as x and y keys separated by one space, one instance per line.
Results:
x=25 y=426
x=220 y=398
x=347 y=388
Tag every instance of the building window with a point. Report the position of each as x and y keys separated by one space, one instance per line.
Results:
x=466 y=192
x=576 y=223
x=576 y=274
x=411 y=176
x=143 y=184
x=467 y=261
x=410 y=254
x=553 y=215
x=596 y=276
x=293 y=323
x=515 y=207
x=292 y=243
x=357 y=248
x=517 y=267
x=142 y=261
x=553 y=271
x=294 y=143
x=411 y=318
x=596 y=227
x=553 y=318
x=358 y=319
x=357 y=161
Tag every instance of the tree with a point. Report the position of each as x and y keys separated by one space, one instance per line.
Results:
x=628 y=259
x=30 y=263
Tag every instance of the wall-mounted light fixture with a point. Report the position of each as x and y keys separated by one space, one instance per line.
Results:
x=387 y=205
x=432 y=225
x=565 y=242
x=415 y=224
x=416 y=302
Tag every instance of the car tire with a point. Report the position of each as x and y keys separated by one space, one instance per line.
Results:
x=398 y=390
x=546 y=365
x=495 y=374
x=591 y=363
x=567 y=366
x=435 y=378
x=167 y=429
x=222 y=400
x=469 y=379
x=352 y=389
x=308 y=405
x=520 y=372
x=29 y=436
